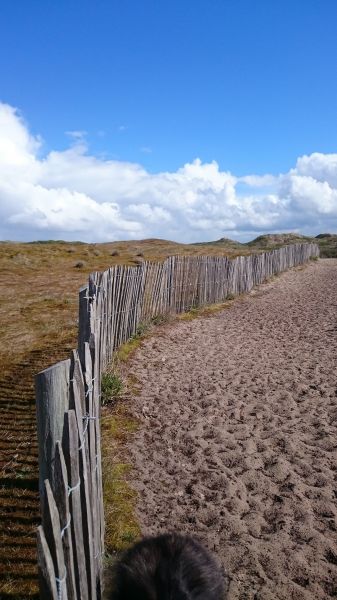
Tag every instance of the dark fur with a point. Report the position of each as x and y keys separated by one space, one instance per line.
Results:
x=167 y=567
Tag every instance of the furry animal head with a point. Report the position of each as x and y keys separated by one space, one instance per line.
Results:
x=168 y=567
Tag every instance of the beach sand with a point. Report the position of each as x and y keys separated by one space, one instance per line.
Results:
x=238 y=437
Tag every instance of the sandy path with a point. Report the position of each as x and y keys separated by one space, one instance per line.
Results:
x=239 y=437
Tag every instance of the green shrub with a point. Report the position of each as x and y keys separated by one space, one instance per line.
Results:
x=160 y=319
x=142 y=328
x=111 y=387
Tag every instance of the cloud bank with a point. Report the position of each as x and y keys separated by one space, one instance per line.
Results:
x=71 y=194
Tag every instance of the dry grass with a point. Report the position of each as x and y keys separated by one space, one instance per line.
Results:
x=205 y=311
x=121 y=527
x=40 y=282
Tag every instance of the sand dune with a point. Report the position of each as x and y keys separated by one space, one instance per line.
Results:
x=238 y=443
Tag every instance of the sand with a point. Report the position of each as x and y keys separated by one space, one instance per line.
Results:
x=238 y=442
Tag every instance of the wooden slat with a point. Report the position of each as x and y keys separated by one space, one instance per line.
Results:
x=88 y=375
x=47 y=578
x=52 y=401
x=92 y=377
x=95 y=465
x=83 y=319
x=70 y=449
x=52 y=530
x=60 y=490
x=78 y=402
x=86 y=493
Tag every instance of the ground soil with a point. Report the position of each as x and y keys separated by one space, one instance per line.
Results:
x=238 y=442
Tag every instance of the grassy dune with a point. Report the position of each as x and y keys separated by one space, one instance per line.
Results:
x=40 y=281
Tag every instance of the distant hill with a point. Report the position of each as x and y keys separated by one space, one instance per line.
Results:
x=272 y=240
x=223 y=242
x=101 y=255
x=327 y=243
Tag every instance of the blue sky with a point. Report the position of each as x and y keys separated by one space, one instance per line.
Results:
x=250 y=85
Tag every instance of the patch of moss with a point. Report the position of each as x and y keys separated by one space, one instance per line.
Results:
x=204 y=311
x=125 y=351
x=122 y=528
x=189 y=315
x=120 y=423
x=161 y=319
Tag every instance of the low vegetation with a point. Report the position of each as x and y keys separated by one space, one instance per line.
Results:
x=205 y=311
x=111 y=387
x=118 y=426
x=119 y=498
x=327 y=242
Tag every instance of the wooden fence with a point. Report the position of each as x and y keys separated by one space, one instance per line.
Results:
x=111 y=307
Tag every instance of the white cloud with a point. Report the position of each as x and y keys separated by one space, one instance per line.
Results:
x=77 y=135
x=259 y=181
x=312 y=197
x=322 y=167
x=72 y=194
x=18 y=148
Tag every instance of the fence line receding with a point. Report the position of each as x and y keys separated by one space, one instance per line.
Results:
x=111 y=307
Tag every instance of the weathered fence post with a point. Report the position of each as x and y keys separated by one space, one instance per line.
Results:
x=52 y=401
